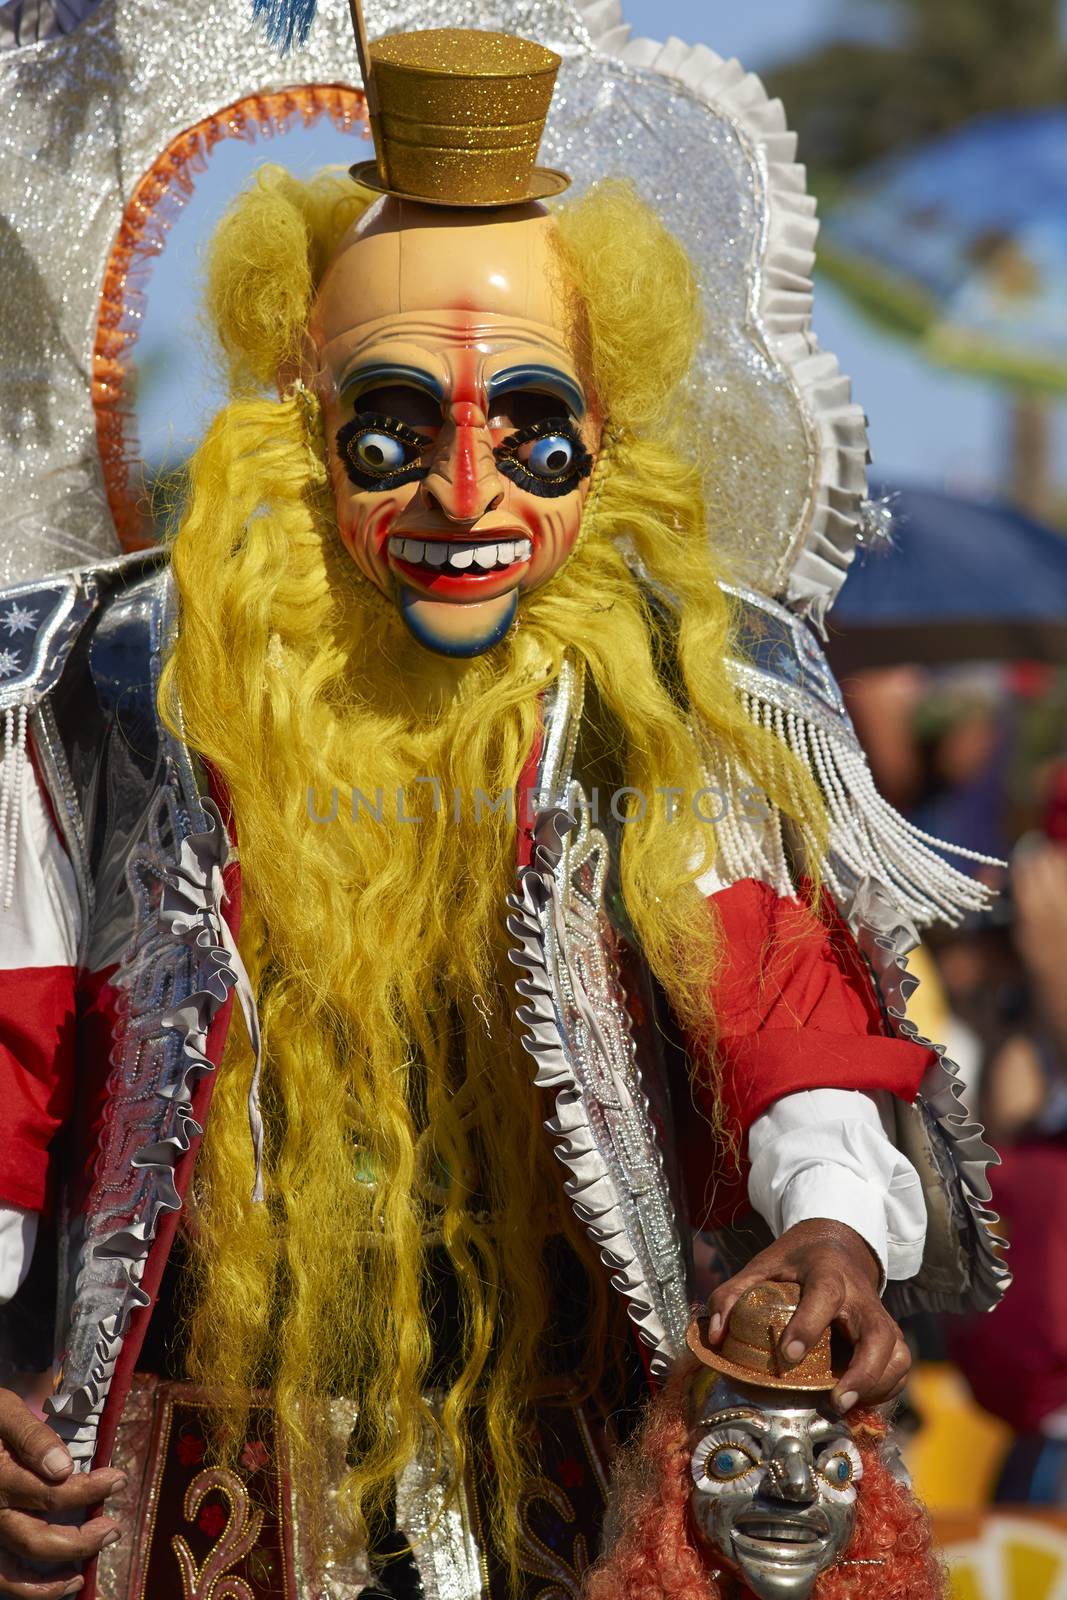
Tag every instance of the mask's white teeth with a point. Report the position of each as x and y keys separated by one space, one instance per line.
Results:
x=406 y=549
x=437 y=553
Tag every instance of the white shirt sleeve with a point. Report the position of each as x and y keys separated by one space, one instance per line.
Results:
x=42 y=925
x=18 y=1235
x=827 y=1153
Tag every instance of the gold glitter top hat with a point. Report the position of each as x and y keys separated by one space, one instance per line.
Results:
x=751 y=1349
x=457 y=117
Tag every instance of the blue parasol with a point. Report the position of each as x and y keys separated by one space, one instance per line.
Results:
x=959 y=580
x=964 y=243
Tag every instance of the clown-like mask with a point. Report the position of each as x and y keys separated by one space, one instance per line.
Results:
x=774 y=1491
x=461 y=438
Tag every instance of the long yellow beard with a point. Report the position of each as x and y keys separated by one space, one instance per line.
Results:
x=401 y=1115
x=399 y=1109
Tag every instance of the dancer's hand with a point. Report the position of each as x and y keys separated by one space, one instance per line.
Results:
x=838 y=1275
x=38 y=1482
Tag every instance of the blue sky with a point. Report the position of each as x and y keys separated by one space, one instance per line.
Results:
x=758 y=32
x=927 y=426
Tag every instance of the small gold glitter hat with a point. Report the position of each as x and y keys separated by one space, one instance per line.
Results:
x=457 y=116
x=751 y=1349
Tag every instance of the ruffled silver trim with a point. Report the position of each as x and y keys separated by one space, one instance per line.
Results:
x=811 y=572
x=577 y=1034
x=162 y=71
x=961 y=1270
x=167 y=1048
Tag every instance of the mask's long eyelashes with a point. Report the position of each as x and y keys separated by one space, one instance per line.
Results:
x=724 y=1459
x=548 y=458
x=841 y=1468
x=381 y=452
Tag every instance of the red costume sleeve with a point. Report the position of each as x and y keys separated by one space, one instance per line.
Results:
x=38 y=937
x=795 y=1009
x=36 y=1075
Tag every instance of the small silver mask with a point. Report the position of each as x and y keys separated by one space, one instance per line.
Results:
x=774 y=1495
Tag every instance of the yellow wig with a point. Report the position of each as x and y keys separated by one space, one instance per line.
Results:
x=402 y=1122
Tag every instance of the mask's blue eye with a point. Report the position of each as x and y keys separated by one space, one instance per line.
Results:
x=377 y=452
x=380 y=452
x=547 y=459
x=730 y=1461
x=838 y=1471
x=550 y=457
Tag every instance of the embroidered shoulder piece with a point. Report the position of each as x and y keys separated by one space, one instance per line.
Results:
x=40 y=622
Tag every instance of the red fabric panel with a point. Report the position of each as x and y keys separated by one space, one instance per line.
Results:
x=758 y=1069
x=786 y=968
x=524 y=816
x=36 y=1076
x=795 y=1009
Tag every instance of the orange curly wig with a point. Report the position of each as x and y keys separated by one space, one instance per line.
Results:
x=650 y=1553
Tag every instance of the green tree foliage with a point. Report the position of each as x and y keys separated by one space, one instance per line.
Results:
x=950 y=60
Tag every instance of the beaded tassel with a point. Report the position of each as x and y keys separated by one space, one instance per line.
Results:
x=868 y=838
x=12 y=777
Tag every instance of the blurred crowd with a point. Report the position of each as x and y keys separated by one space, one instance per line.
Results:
x=978 y=754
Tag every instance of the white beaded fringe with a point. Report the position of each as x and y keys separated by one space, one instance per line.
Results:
x=868 y=838
x=12 y=777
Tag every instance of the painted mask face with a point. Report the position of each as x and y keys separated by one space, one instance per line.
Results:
x=774 y=1493
x=461 y=439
